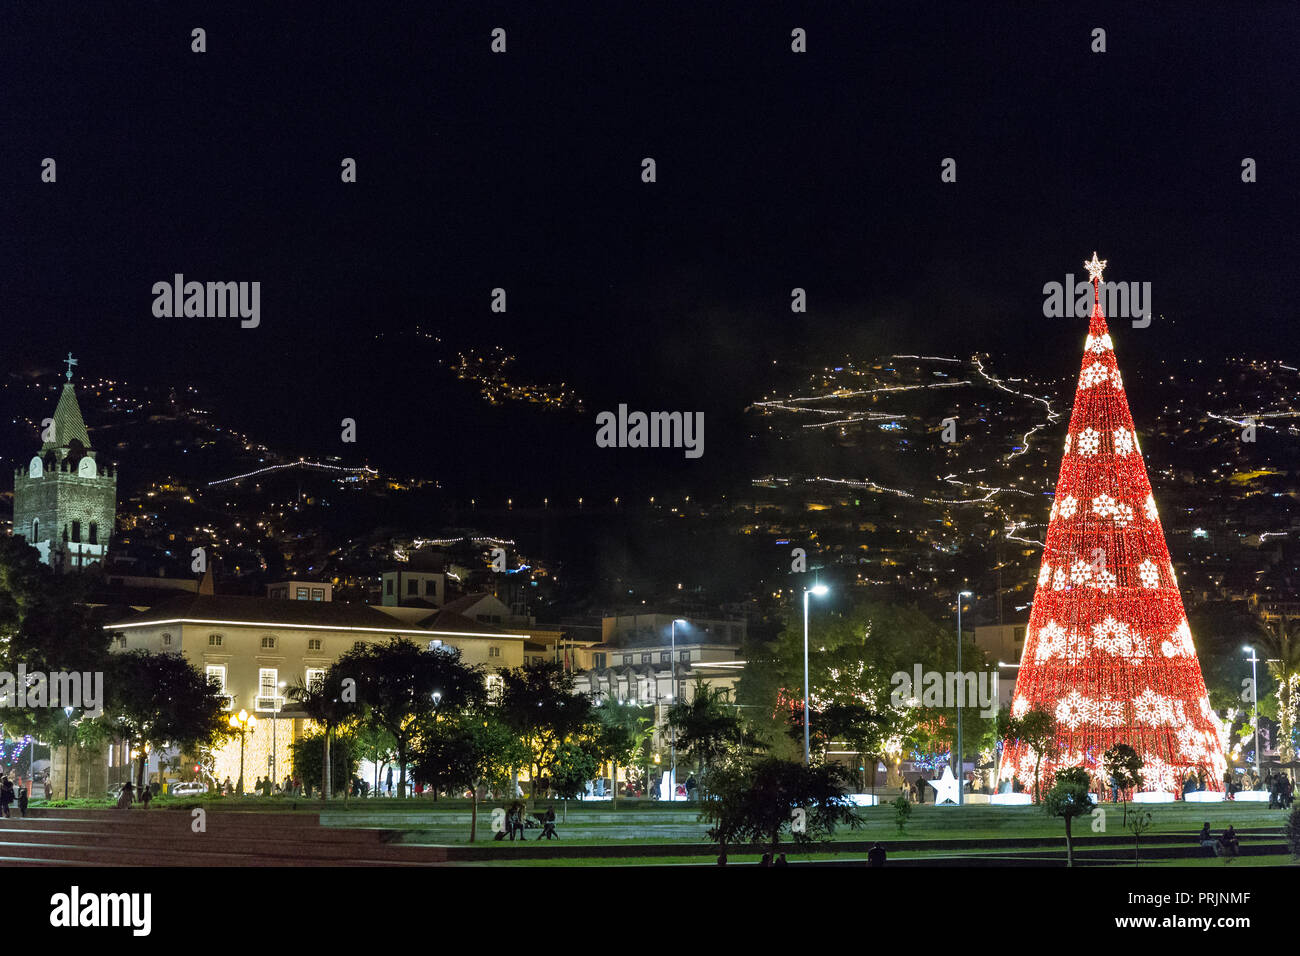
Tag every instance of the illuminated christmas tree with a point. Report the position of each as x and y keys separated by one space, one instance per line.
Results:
x=1108 y=650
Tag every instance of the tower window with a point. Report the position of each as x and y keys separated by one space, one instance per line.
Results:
x=76 y=531
x=94 y=533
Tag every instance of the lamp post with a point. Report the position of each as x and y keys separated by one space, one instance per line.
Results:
x=672 y=731
x=67 y=757
x=275 y=712
x=1254 y=693
x=961 y=683
x=242 y=723
x=819 y=590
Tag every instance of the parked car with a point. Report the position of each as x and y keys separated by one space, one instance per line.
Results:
x=189 y=788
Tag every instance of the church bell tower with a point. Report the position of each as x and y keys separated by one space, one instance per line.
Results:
x=65 y=500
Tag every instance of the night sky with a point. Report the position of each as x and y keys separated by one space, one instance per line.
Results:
x=522 y=170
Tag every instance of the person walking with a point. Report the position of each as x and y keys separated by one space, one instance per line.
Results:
x=876 y=855
x=146 y=794
x=548 y=825
x=22 y=801
x=6 y=795
x=388 y=782
x=125 y=797
x=690 y=787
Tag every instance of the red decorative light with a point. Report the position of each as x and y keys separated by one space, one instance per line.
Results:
x=1108 y=650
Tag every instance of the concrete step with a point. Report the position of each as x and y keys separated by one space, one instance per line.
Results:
x=135 y=856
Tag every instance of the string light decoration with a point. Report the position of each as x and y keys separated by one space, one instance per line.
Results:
x=1108 y=651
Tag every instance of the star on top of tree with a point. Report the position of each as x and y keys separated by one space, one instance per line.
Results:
x=1094 y=267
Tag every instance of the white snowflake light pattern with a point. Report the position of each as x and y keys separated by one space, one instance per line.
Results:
x=1058 y=580
x=1044 y=574
x=1150 y=708
x=1150 y=507
x=1179 y=643
x=1103 y=580
x=1123 y=441
x=1099 y=344
x=1149 y=574
x=1089 y=442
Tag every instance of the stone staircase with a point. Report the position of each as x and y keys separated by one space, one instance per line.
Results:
x=127 y=838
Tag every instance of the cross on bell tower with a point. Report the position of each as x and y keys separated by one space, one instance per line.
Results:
x=69 y=362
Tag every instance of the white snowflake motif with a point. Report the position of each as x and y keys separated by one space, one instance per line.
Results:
x=1058 y=580
x=1089 y=442
x=1068 y=506
x=1149 y=574
x=1108 y=713
x=1172 y=576
x=1191 y=741
x=1103 y=580
x=1150 y=708
x=1179 y=643
x=1113 y=637
x=1094 y=374
x=1044 y=574
x=1098 y=344
x=1019 y=707
x=1067 y=443
x=1115 y=379
x=1080 y=572
x=1123 y=441
x=1107 y=507
x=1074 y=709
x=1052 y=642
x=1150 y=507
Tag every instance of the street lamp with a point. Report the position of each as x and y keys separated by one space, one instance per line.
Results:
x=1254 y=693
x=672 y=696
x=961 y=767
x=820 y=590
x=275 y=712
x=67 y=758
x=242 y=723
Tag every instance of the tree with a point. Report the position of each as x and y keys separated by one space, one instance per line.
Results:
x=755 y=802
x=330 y=702
x=576 y=762
x=624 y=729
x=902 y=811
x=1123 y=768
x=1088 y=631
x=1138 y=824
x=467 y=750
x=706 y=727
x=400 y=682
x=539 y=703
x=159 y=700
x=375 y=745
x=1070 y=796
x=307 y=756
x=1279 y=639
x=1035 y=731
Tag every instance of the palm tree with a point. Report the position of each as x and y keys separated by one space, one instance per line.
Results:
x=1280 y=640
x=322 y=701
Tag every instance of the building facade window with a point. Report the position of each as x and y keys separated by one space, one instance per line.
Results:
x=94 y=532
x=388 y=587
x=300 y=594
x=216 y=674
x=215 y=640
x=167 y=640
x=268 y=643
x=358 y=645
x=683 y=655
x=431 y=588
x=645 y=658
x=627 y=659
x=318 y=594
x=412 y=587
x=598 y=661
x=315 y=677
x=666 y=657
x=313 y=643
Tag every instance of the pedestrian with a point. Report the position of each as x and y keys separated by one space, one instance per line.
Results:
x=548 y=825
x=146 y=794
x=781 y=861
x=227 y=787
x=22 y=801
x=6 y=795
x=920 y=790
x=49 y=787
x=876 y=855
x=124 y=798
x=690 y=787
x=389 y=781
x=766 y=860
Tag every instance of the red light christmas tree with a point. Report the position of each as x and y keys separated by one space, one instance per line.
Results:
x=1108 y=650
